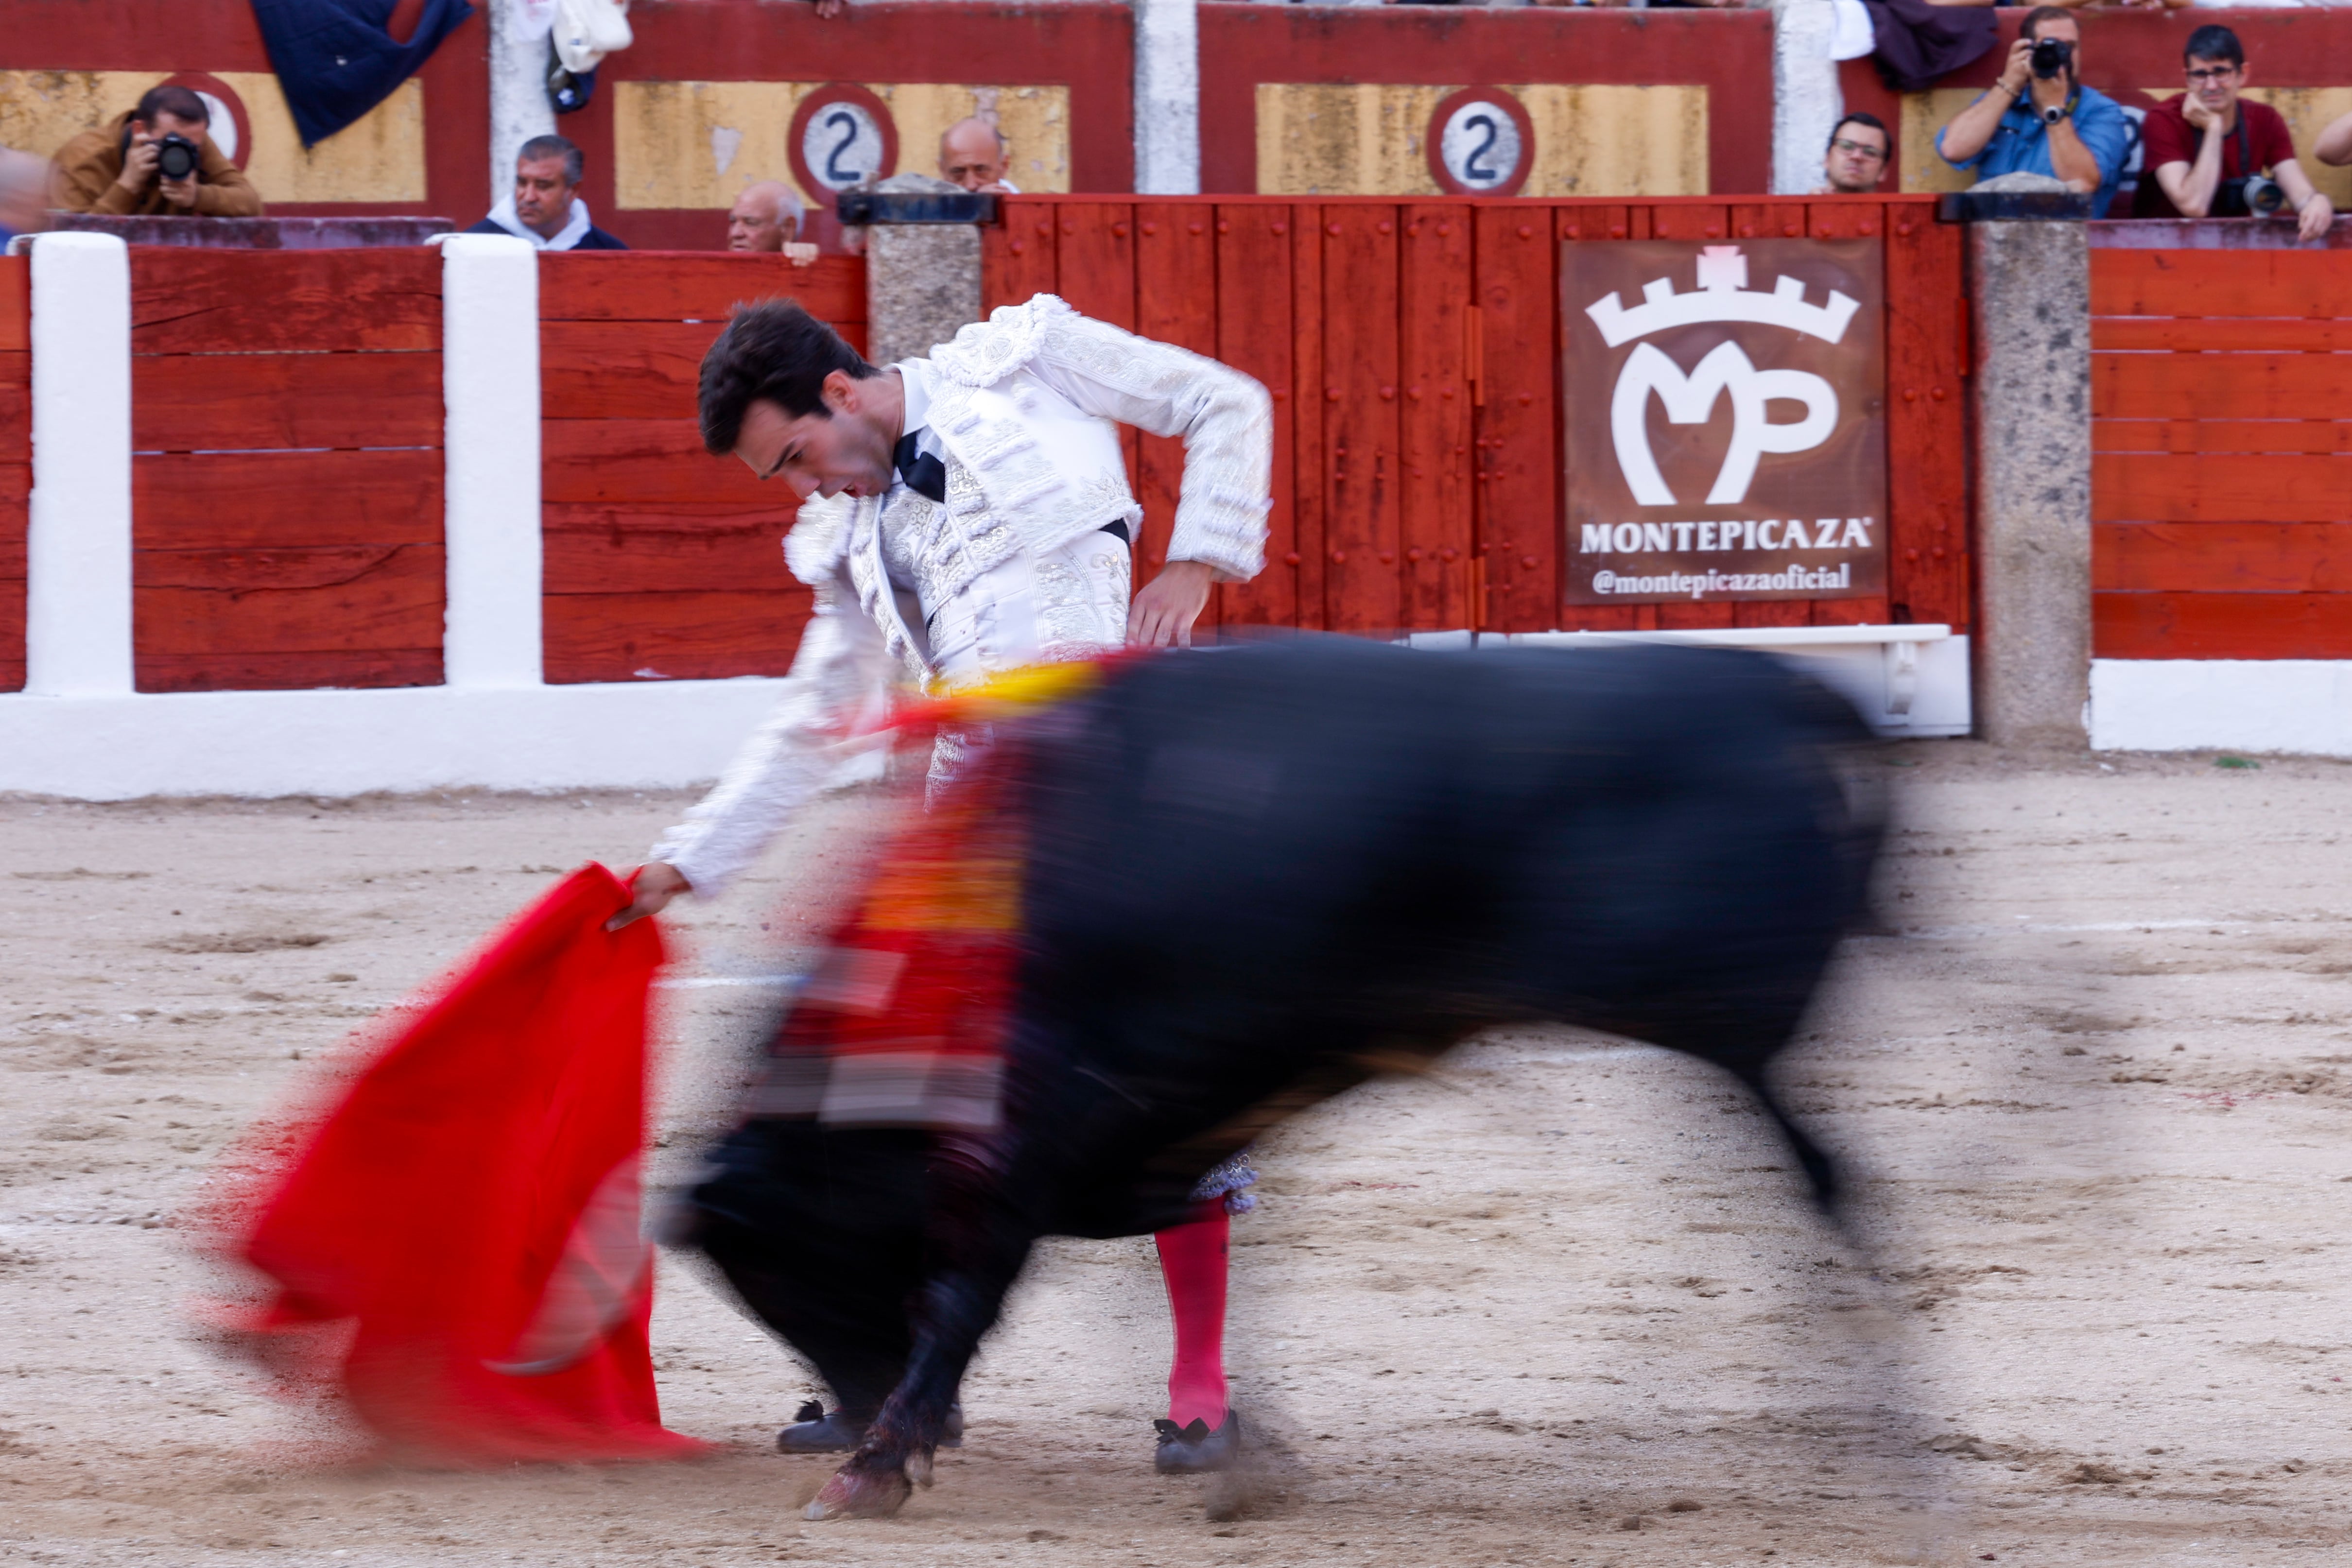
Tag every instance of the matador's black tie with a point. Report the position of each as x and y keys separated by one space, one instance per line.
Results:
x=922 y=473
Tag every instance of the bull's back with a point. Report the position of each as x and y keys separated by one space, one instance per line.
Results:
x=1326 y=829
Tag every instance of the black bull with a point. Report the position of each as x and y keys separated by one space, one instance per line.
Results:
x=1261 y=876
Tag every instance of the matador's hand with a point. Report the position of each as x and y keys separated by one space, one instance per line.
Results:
x=656 y=883
x=1166 y=607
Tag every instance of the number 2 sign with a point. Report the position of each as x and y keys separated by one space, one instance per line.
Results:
x=841 y=136
x=1480 y=142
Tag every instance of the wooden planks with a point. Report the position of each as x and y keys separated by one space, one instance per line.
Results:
x=2272 y=488
x=1434 y=416
x=1360 y=377
x=223 y=402
x=680 y=285
x=2259 y=385
x=1343 y=319
x=193 y=301
x=1255 y=336
x=1517 y=420
x=661 y=560
x=1017 y=256
x=15 y=460
x=2221 y=625
x=287 y=419
x=1176 y=302
x=2190 y=557
x=1929 y=569
x=2227 y=284
x=2221 y=454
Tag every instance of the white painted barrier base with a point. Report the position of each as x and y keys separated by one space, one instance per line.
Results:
x=1908 y=681
x=2246 y=704
x=655 y=735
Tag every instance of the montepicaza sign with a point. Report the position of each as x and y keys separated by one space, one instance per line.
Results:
x=1726 y=408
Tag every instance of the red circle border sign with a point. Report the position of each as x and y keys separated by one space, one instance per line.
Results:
x=1432 y=141
x=823 y=98
x=204 y=81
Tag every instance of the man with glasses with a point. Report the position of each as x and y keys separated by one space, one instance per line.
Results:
x=2207 y=148
x=2036 y=123
x=1856 y=160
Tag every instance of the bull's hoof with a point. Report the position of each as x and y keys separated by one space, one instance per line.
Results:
x=1194 y=1450
x=852 y=1492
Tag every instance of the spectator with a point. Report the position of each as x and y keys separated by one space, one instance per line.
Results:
x=2027 y=123
x=1856 y=160
x=973 y=154
x=546 y=208
x=766 y=217
x=2206 y=149
x=2335 y=143
x=118 y=169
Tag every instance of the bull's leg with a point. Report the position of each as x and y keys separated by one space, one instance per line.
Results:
x=959 y=1304
x=1821 y=1171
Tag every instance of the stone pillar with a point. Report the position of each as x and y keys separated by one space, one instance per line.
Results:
x=519 y=108
x=1806 y=99
x=490 y=518
x=1168 y=97
x=78 y=535
x=2030 y=303
x=922 y=279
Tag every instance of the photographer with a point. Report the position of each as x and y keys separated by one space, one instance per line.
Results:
x=2206 y=148
x=2039 y=119
x=154 y=162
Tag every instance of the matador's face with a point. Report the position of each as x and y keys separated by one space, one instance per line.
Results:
x=843 y=450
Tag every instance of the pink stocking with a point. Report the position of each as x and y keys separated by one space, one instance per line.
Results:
x=1193 y=1263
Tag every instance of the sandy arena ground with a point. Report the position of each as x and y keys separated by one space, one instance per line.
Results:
x=1560 y=1304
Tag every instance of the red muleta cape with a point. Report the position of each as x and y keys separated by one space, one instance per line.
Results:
x=470 y=1206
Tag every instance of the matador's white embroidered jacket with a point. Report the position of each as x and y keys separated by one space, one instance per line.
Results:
x=1023 y=407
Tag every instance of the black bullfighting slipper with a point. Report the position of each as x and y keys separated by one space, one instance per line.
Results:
x=815 y=1432
x=1194 y=1449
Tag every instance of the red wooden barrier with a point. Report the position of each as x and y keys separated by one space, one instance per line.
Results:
x=2221 y=469
x=286 y=489
x=16 y=459
x=661 y=560
x=1412 y=351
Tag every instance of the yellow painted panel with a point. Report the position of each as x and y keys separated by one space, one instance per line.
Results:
x=1617 y=140
x=1340 y=139
x=1923 y=114
x=698 y=143
x=40 y=111
x=379 y=158
x=1368 y=138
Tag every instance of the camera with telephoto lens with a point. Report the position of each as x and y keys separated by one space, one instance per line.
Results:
x=2262 y=196
x=2051 y=56
x=175 y=157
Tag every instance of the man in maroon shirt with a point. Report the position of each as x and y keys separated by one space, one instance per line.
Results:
x=2201 y=147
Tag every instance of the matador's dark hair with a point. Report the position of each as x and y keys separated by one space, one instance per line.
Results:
x=774 y=350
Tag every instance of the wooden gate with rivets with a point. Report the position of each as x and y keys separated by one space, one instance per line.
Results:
x=1413 y=351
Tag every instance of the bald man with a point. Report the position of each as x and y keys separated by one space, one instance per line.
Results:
x=765 y=217
x=973 y=154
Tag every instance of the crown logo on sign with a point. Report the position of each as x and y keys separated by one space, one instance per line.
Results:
x=1723 y=296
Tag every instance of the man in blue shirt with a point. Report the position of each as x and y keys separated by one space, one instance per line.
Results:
x=2042 y=125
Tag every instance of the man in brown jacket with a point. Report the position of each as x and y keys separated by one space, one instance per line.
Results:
x=114 y=171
